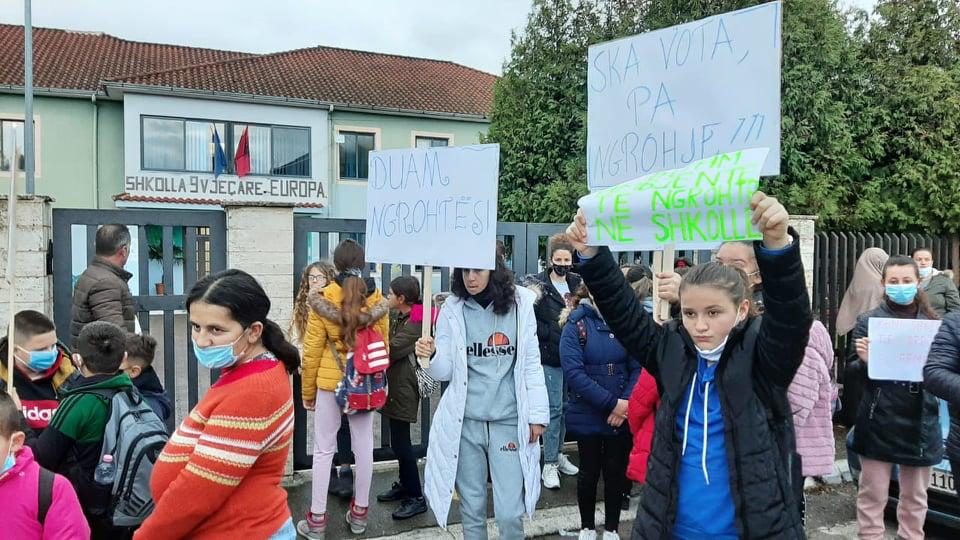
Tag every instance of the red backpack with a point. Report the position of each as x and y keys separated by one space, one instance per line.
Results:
x=364 y=384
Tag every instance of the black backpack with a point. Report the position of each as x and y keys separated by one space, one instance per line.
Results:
x=44 y=494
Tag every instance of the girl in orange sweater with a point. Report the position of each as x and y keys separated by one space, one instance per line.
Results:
x=219 y=475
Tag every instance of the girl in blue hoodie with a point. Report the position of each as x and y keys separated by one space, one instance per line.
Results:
x=723 y=463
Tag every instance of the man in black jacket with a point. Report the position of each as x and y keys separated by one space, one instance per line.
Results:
x=554 y=287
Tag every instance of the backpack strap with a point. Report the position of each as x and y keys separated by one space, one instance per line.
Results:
x=44 y=494
x=336 y=357
x=582 y=332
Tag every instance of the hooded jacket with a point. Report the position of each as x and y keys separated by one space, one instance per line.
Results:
x=749 y=382
x=320 y=369
x=19 y=498
x=148 y=384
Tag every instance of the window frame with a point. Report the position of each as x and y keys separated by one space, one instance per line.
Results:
x=5 y=173
x=414 y=135
x=363 y=130
x=229 y=144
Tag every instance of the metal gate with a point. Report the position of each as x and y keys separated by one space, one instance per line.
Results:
x=178 y=247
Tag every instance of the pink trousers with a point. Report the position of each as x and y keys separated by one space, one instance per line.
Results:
x=326 y=423
x=872 y=499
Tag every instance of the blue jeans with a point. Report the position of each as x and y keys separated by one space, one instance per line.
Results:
x=287 y=532
x=557 y=430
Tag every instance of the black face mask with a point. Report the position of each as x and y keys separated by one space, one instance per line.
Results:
x=562 y=269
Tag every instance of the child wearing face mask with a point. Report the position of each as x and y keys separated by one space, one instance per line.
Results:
x=37 y=504
x=897 y=421
x=723 y=463
x=41 y=367
x=219 y=475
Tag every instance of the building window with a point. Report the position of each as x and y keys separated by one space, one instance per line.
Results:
x=11 y=136
x=355 y=151
x=182 y=145
x=291 y=151
x=163 y=144
x=431 y=142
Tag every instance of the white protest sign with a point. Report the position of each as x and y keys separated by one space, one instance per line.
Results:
x=899 y=348
x=699 y=206
x=661 y=100
x=433 y=206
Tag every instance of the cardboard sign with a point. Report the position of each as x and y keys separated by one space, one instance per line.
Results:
x=697 y=207
x=899 y=348
x=434 y=206
x=664 y=99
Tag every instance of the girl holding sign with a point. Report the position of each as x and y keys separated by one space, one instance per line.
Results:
x=494 y=410
x=898 y=422
x=722 y=464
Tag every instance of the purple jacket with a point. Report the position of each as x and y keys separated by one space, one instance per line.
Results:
x=19 y=489
x=811 y=396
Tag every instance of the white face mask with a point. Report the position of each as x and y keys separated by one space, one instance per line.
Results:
x=713 y=355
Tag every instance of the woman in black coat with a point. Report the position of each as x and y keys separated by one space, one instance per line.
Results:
x=898 y=422
x=941 y=377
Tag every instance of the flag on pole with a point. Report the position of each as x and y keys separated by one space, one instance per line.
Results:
x=242 y=159
x=219 y=158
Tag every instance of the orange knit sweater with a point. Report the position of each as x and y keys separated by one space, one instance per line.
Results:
x=219 y=476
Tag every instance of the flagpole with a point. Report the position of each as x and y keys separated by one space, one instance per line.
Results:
x=28 y=144
x=11 y=257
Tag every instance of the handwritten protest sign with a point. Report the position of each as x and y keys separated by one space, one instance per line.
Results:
x=433 y=206
x=696 y=207
x=664 y=99
x=899 y=348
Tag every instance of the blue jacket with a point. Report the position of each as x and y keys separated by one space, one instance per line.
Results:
x=597 y=373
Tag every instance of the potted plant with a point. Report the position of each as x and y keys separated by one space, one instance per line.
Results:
x=155 y=250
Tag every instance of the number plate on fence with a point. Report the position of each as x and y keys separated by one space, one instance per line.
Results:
x=942 y=481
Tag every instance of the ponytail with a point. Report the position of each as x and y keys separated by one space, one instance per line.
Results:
x=351 y=311
x=275 y=342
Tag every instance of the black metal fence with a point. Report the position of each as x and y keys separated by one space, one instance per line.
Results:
x=200 y=249
x=835 y=258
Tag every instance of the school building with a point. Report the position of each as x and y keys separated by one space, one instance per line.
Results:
x=128 y=124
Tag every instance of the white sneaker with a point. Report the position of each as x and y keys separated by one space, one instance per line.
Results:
x=610 y=536
x=550 y=476
x=566 y=467
x=809 y=483
x=587 y=534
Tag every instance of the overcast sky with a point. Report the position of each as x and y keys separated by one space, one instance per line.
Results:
x=470 y=32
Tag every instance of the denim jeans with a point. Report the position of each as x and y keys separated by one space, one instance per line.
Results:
x=287 y=532
x=557 y=430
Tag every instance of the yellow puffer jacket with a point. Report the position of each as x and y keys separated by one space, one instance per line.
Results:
x=320 y=368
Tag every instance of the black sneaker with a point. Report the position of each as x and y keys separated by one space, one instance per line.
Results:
x=625 y=503
x=344 y=486
x=395 y=494
x=410 y=508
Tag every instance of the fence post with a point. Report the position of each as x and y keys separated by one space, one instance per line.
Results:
x=806 y=227
x=260 y=242
x=34 y=231
x=955 y=257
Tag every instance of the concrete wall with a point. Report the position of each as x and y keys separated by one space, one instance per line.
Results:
x=65 y=149
x=34 y=288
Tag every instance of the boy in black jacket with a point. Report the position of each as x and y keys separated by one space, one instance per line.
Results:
x=139 y=366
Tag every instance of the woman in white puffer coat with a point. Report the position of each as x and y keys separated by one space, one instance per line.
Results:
x=495 y=408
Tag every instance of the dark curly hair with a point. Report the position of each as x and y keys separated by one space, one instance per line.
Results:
x=502 y=285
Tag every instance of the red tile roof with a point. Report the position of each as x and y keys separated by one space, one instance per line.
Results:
x=81 y=60
x=143 y=198
x=65 y=59
x=341 y=76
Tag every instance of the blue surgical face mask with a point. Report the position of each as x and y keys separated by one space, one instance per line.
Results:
x=219 y=356
x=925 y=272
x=41 y=360
x=902 y=294
x=10 y=461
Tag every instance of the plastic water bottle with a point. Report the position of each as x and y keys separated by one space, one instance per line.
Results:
x=106 y=471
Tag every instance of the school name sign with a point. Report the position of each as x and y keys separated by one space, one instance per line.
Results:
x=203 y=188
x=664 y=99
x=433 y=206
x=695 y=207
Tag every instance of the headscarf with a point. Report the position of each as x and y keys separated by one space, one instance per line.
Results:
x=865 y=291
